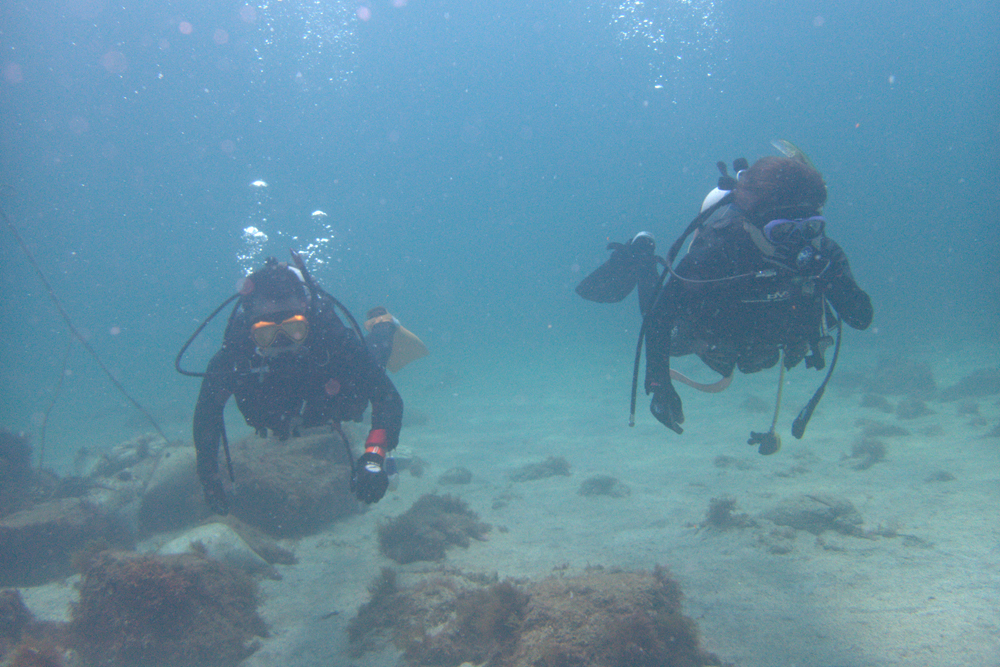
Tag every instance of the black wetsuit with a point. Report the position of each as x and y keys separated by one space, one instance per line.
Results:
x=744 y=321
x=331 y=379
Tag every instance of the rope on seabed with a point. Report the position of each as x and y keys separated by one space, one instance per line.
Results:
x=73 y=330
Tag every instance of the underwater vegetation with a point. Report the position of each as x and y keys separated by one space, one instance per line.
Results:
x=604 y=485
x=37 y=544
x=597 y=618
x=177 y=611
x=984 y=382
x=428 y=528
x=457 y=475
x=721 y=515
x=24 y=642
x=866 y=452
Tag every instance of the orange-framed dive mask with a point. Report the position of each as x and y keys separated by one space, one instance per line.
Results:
x=296 y=328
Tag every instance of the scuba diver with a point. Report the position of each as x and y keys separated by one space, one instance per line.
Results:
x=754 y=289
x=291 y=363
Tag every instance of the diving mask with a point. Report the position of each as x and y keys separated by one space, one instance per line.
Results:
x=784 y=232
x=295 y=328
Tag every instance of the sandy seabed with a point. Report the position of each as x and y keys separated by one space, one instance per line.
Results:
x=922 y=592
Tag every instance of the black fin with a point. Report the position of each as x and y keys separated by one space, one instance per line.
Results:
x=614 y=280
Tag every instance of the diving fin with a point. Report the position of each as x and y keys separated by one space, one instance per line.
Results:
x=406 y=347
x=791 y=151
x=403 y=347
x=616 y=278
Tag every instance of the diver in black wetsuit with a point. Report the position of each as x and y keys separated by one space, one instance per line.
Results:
x=290 y=362
x=753 y=286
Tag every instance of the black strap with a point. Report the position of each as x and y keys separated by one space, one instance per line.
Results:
x=668 y=264
x=802 y=420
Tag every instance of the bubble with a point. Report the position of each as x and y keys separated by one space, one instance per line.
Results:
x=12 y=73
x=79 y=125
x=685 y=40
x=317 y=36
x=248 y=14
x=114 y=331
x=364 y=13
x=818 y=21
x=114 y=62
x=227 y=146
x=185 y=28
x=220 y=37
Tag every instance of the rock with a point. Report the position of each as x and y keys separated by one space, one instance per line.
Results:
x=877 y=402
x=294 y=487
x=459 y=475
x=816 y=513
x=37 y=544
x=593 y=619
x=428 y=528
x=911 y=408
x=604 y=485
x=901 y=376
x=866 y=452
x=182 y=611
x=550 y=467
x=131 y=452
x=172 y=498
x=219 y=542
x=984 y=382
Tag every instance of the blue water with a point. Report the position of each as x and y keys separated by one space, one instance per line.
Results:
x=472 y=158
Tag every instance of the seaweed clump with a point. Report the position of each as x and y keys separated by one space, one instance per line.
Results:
x=721 y=515
x=428 y=528
x=14 y=617
x=598 y=618
x=604 y=485
x=984 y=382
x=385 y=608
x=179 y=610
x=866 y=452
x=25 y=642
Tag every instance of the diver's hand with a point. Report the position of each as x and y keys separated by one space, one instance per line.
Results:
x=215 y=494
x=370 y=480
x=666 y=407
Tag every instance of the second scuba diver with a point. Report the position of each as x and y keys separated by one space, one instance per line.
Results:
x=751 y=291
x=291 y=363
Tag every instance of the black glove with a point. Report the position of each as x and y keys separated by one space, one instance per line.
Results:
x=215 y=494
x=370 y=479
x=666 y=407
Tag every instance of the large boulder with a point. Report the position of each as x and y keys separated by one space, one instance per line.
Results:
x=37 y=544
x=219 y=542
x=172 y=498
x=292 y=487
x=182 y=611
x=817 y=513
